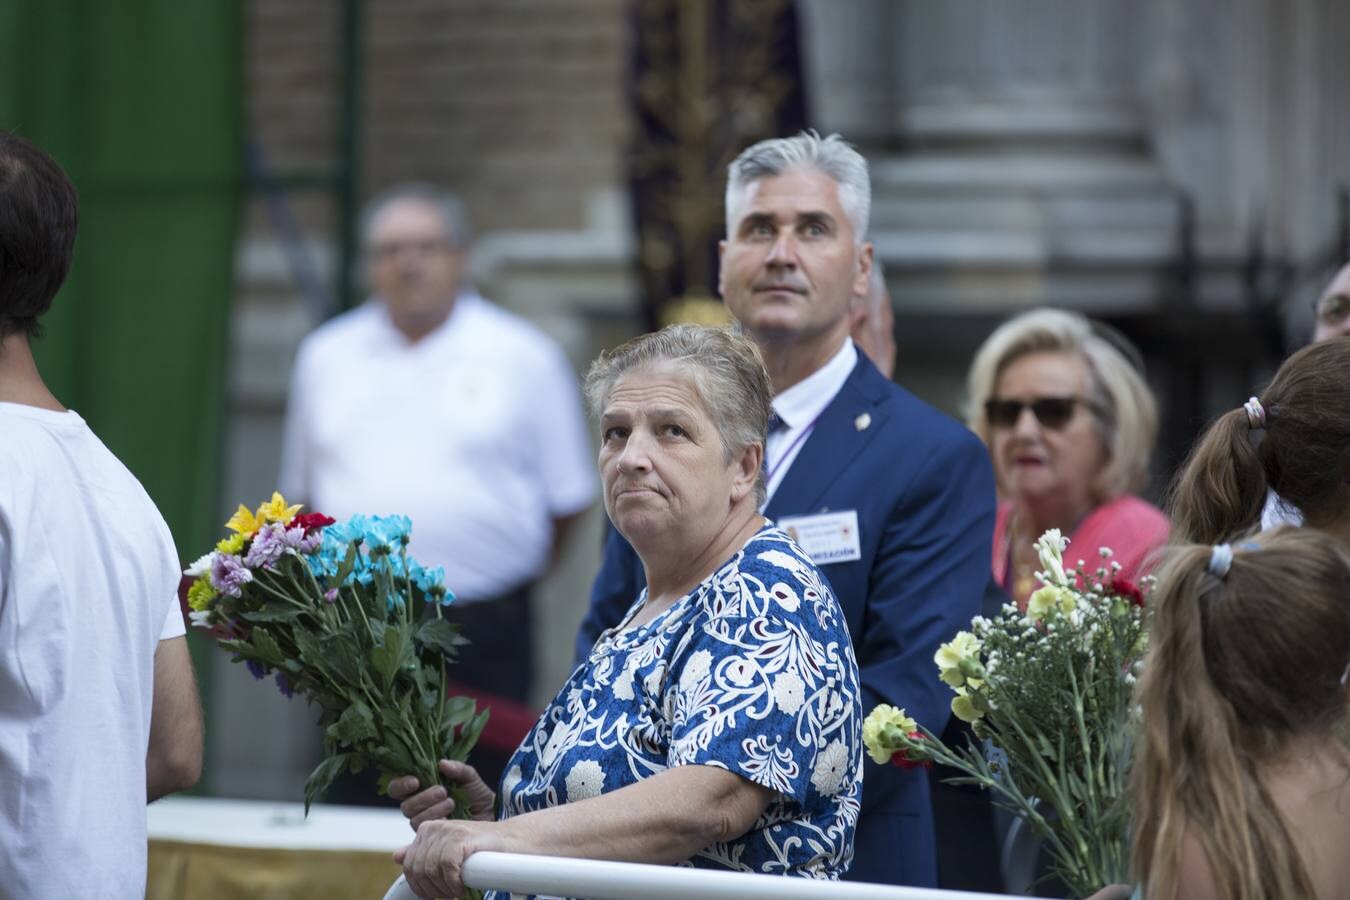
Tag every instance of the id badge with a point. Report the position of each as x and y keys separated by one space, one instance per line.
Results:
x=826 y=537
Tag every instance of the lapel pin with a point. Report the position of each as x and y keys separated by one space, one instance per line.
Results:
x=862 y=422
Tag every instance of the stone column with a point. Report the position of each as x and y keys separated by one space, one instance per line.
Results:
x=1016 y=69
x=848 y=54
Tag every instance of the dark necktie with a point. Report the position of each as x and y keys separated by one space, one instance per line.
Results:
x=776 y=425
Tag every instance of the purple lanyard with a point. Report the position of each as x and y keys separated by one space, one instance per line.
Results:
x=768 y=475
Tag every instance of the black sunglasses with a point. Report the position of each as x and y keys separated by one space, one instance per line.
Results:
x=1051 y=412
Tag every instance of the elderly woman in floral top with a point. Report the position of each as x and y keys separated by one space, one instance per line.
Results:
x=719 y=724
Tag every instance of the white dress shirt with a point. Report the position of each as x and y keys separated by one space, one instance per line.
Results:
x=799 y=407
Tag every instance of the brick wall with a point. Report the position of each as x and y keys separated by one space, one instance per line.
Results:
x=517 y=104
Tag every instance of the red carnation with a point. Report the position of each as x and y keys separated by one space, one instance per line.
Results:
x=1126 y=588
x=312 y=522
x=903 y=760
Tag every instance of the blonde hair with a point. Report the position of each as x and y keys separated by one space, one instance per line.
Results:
x=1125 y=412
x=1238 y=665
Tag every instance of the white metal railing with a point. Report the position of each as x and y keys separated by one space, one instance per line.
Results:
x=599 y=880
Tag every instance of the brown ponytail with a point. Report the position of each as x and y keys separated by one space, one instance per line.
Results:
x=1222 y=694
x=1301 y=453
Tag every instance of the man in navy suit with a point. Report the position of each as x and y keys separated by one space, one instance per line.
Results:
x=892 y=498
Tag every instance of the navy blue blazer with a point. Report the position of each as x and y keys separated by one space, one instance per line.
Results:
x=923 y=489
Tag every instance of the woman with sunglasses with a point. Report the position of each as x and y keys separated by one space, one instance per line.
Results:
x=1062 y=404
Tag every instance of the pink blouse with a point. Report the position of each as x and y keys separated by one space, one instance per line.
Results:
x=1133 y=528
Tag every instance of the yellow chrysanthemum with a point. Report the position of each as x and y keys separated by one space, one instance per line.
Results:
x=964 y=706
x=275 y=510
x=201 y=594
x=878 y=733
x=232 y=544
x=243 y=521
x=964 y=648
x=1048 y=598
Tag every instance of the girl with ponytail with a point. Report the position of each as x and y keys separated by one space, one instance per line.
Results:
x=1241 y=781
x=1292 y=441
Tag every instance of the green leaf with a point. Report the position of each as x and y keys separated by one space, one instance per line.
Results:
x=356 y=724
x=273 y=611
x=468 y=736
x=441 y=635
x=266 y=647
x=342 y=658
x=313 y=653
x=458 y=710
x=389 y=656
x=394 y=758
x=318 y=782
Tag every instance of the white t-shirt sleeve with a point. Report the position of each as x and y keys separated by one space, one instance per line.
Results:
x=562 y=442
x=173 y=622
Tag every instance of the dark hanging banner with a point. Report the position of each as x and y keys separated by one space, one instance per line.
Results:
x=708 y=78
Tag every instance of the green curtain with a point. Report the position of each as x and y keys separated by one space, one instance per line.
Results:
x=140 y=101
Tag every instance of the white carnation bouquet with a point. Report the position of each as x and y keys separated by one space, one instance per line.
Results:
x=1049 y=691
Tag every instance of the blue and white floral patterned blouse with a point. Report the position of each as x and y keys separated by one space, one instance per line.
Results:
x=753 y=672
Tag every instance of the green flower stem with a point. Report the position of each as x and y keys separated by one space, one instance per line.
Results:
x=288 y=600
x=1047 y=788
x=407 y=579
x=327 y=613
x=1084 y=739
x=365 y=619
x=444 y=686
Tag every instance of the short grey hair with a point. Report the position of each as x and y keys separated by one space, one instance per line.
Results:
x=447 y=205
x=831 y=155
x=1125 y=412
x=725 y=368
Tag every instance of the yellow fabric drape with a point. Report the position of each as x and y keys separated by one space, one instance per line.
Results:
x=180 y=870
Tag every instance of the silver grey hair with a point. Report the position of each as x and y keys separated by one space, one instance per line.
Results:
x=831 y=155
x=1126 y=414
x=447 y=205
x=725 y=368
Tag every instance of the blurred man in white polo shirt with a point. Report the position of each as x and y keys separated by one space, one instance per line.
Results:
x=430 y=402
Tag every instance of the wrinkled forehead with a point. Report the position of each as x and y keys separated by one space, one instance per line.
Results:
x=664 y=382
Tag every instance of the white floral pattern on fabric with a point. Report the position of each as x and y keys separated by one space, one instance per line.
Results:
x=585 y=780
x=831 y=767
x=752 y=671
x=789 y=692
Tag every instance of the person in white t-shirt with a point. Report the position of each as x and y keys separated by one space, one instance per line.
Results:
x=99 y=711
x=428 y=401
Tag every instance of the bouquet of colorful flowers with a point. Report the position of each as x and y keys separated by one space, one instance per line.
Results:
x=344 y=617
x=1049 y=691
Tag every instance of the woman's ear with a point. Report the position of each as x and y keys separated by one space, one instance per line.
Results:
x=748 y=464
